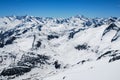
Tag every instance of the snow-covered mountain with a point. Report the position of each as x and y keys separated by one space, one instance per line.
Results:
x=36 y=48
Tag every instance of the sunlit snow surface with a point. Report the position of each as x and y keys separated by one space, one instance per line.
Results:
x=98 y=70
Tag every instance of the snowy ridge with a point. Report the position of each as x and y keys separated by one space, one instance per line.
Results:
x=36 y=48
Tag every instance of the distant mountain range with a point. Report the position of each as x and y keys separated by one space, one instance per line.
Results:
x=36 y=48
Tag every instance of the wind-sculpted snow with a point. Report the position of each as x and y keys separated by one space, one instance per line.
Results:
x=36 y=48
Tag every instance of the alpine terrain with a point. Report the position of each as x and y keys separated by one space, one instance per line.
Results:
x=75 y=48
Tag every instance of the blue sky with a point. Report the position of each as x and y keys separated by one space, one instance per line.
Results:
x=60 y=8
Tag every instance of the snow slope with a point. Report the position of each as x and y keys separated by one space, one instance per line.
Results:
x=98 y=70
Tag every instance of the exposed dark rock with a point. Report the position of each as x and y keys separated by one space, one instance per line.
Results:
x=38 y=44
x=112 y=19
x=10 y=40
x=113 y=55
x=17 y=31
x=33 y=41
x=52 y=37
x=88 y=23
x=61 y=21
x=115 y=18
x=73 y=33
x=82 y=47
x=1 y=44
x=96 y=25
x=117 y=35
x=24 y=31
x=33 y=61
x=103 y=55
x=83 y=61
x=20 y=70
x=57 y=65
x=111 y=27
x=114 y=58
x=39 y=27
x=5 y=22
x=64 y=77
x=8 y=33
x=1 y=59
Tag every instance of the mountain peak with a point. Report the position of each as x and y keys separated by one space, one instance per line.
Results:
x=80 y=16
